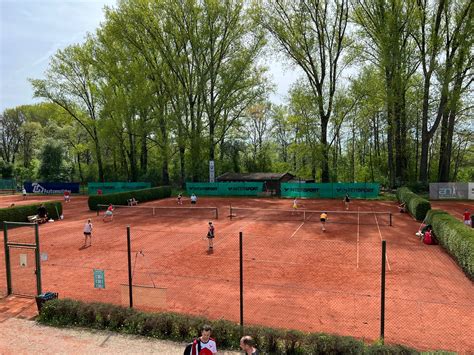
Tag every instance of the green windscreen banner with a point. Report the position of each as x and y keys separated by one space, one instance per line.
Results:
x=224 y=188
x=113 y=187
x=330 y=190
x=7 y=184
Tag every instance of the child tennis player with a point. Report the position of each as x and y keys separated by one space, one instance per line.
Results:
x=109 y=213
x=323 y=218
x=179 y=199
x=210 y=236
x=295 y=204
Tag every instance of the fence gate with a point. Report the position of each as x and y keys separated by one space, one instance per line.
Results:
x=22 y=258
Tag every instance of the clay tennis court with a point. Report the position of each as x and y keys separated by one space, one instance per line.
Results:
x=295 y=275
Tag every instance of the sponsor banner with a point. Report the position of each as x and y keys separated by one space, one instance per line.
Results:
x=330 y=190
x=449 y=191
x=471 y=191
x=225 y=188
x=113 y=187
x=51 y=187
x=211 y=171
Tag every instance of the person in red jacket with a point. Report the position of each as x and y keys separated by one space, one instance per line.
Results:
x=204 y=345
x=467 y=217
x=428 y=237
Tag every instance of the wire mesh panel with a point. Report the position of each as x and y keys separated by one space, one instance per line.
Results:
x=161 y=211
x=429 y=300
x=23 y=271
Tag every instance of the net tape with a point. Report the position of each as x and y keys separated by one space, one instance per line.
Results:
x=164 y=211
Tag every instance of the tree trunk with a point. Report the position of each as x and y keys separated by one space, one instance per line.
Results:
x=324 y=143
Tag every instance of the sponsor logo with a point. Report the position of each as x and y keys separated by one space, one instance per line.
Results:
x=38 y=189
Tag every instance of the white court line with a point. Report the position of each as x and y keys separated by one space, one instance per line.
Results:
x=297 y=229
x=358 y=233
x=380 y=235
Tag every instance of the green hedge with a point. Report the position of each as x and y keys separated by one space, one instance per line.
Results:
x=20 y=213
x=455 y=237
x=183 y=328
x=121 y=198
x=417 y=206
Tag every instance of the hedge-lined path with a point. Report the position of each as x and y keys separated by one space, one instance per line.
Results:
x=21 y=335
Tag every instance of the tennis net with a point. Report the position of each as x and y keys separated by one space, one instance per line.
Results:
x=302 y=215
x=164 y=211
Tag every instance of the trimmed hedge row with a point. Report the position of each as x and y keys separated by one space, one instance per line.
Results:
x=178 y=327
x=417 y=206
x=121 y=198
x=20 y=213
x=455 y=237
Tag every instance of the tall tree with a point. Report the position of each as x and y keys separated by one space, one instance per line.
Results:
x=312 y=34
x=71 y=83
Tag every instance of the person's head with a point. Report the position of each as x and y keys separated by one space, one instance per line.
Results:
x=210 y=223
x=205 y=332
x=247 y=343
x=89 y=221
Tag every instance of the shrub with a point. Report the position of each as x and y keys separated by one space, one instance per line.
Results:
x=455 y=238
x=417 y=206
x=20 y=213
x=121 y=198
x=66 y=312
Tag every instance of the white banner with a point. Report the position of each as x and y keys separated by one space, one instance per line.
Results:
x=211 y=170
x=471 y=191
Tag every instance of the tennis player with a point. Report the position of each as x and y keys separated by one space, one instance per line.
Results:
x=210 y=236
x=204 y=345
x=109 y=213
x=179 y=199
x=346 y=201
x=88 y=232
x=323 y=218
x=295 y=204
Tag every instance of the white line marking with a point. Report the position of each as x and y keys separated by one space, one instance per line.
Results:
x=380 y=235
x=297 y=229
x=358 y=233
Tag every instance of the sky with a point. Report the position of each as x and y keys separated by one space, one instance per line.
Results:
x=31 y=31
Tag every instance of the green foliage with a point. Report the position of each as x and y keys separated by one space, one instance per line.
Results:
x=121 y=198
x=51 y=168
x=21 y=213
x=417 y=206
x=6 y=170
x=180 y=327
x=455 y=237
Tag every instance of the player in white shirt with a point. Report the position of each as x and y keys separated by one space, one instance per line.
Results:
x=88 y=232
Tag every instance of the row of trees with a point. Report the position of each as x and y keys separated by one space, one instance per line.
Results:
x=164 y=86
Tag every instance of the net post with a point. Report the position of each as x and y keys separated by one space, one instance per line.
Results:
x=230 y=211
x=217 y=213
x=390 y=219
x=129 y=257
x=38 y=261
x=241 y=284
x=382 y=293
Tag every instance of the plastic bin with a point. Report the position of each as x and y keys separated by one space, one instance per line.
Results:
x=45 y=297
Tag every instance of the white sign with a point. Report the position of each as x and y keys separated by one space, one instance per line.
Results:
x=44 y=256
x=211 y=170
x=471 y=190
x=23 y=260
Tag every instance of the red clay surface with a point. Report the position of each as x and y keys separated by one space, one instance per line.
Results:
x=295 y=275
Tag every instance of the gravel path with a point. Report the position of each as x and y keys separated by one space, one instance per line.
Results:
x=20 y=336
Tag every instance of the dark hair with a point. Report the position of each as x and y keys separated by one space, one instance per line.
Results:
x=248 y=340
x=206 y=327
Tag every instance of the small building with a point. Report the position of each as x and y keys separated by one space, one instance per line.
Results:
x=271 y=181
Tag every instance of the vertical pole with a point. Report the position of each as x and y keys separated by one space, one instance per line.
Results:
x=7 y=258
x=38 y=261
x=390 y=219
x=241 y=286
x=382 y=293
x=230 y=211
x=129 y=253
x=217 y=213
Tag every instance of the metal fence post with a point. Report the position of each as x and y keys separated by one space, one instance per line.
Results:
x=38 y=261
x=7 y=258
x=382 y=293
x=129 y=254
x=241 y=285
